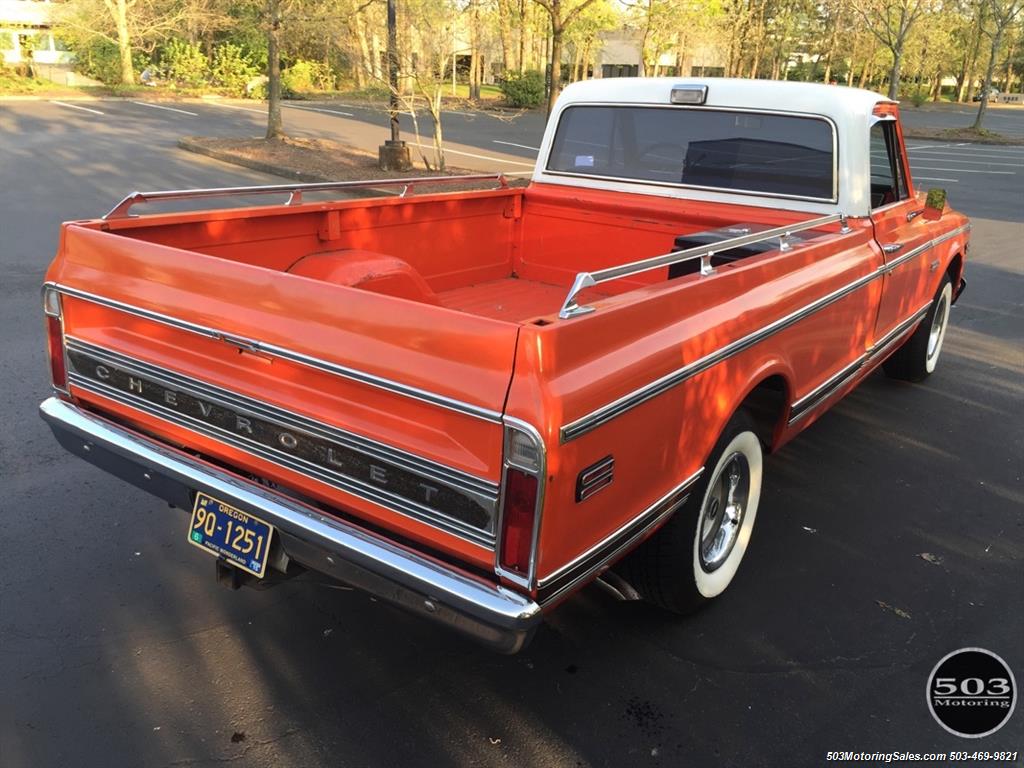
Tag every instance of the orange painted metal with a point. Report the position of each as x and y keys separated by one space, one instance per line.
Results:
x=499 y=264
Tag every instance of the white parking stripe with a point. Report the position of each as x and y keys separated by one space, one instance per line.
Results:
x=169 y=109
x=75 y=106
x=974 y=151
x=963 y=170
x=318 y=109
x=933 y=178
x=513 y=144
x=470 y=154
x=988 y=161
x=235 y=106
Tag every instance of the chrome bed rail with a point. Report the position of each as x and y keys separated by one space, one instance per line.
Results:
x=589 y=279
x=294 y=191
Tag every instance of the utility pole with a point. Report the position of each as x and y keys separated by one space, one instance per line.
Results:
x=393 y=154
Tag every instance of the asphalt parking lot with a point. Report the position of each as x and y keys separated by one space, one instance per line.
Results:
x=119 y=649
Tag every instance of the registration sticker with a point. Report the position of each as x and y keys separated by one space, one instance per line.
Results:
x=231 y=534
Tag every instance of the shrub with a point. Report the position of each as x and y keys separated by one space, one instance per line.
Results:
x=523 y=89
x=185 y=64
x=307 y=76
x=232 y=70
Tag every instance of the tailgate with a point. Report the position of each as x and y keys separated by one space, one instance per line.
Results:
x=385 y=408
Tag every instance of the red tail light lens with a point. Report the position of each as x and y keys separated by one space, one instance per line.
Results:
x=519 y=515
x=55 y=340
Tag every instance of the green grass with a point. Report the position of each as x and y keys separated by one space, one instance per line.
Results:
x=11 y=84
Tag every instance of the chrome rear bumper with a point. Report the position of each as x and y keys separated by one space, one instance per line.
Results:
x=499 y=618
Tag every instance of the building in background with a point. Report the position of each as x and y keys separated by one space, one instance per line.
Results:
x=26 y=35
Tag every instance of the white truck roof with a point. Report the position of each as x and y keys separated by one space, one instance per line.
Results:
x=848 y=109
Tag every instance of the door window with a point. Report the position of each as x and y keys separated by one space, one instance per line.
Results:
x=888 y=181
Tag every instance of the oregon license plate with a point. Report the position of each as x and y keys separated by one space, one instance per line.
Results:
x=234 y=535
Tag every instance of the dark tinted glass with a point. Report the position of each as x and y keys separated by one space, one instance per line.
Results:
x=769 y=154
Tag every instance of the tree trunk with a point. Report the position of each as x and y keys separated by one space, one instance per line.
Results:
x=435 y=113
x=894 y=72
x=556 y=64
x=520 y=63
x=997 y=41
x=275 y=125
x=124 y=43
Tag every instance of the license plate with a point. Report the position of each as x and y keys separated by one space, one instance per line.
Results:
x=231 y=534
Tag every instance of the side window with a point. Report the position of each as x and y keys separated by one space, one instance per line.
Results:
x=888 y=182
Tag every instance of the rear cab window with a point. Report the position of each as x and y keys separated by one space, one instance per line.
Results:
x=727 y=150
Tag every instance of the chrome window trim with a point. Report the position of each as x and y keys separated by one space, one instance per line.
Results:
x=630 y=400
x=482 y=491
x=284 y=353
x=584 y=565
x=726 y=190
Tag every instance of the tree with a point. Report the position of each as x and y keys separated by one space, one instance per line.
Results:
x=275 y=124
x=891 y=21
x=135 y=24
x=1004 y=12
x=562 y=14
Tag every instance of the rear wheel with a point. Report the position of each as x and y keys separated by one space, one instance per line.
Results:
x=917 y=358
x=696 y=554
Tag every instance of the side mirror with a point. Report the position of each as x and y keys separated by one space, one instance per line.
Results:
x=934 y=204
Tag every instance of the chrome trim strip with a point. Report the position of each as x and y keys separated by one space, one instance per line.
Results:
x=316 y=363
x=579 y=569
x=823 y=392
x=491 y=614
x=483 y=492
x=629 y=401
x=611 y=410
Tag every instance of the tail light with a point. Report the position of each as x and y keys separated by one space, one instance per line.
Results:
x=55 y=339
x=520 y=512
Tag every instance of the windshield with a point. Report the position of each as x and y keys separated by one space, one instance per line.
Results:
x=756 y=153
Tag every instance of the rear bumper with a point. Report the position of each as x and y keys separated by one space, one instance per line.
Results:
x=499 y=618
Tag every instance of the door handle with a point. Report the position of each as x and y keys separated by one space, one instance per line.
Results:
x=892 y=247
x=914 y=214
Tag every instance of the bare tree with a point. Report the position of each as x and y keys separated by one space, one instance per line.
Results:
x=1004 y=13
x=891 y=21
x=562 y=14
x=135 y=24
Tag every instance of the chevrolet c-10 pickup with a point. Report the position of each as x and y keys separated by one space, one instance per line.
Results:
x=473 y=403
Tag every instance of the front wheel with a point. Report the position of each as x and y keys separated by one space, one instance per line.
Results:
x=696 y=554
x=918 y=356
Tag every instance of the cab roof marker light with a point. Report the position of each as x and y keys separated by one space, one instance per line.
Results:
x=689 y=94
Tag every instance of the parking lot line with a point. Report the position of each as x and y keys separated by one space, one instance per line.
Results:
x=513 y=144
x=169 y=109
x=964 y=170
x=75 y=106
x=934 y=178
x=319 y=109
x=235 y=106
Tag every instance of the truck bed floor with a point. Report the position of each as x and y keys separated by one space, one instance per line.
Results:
x=509 y=298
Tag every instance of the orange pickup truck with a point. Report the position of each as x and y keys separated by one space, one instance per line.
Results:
x=471 y=404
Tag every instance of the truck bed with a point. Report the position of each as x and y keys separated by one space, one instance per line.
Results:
x=508 y=255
